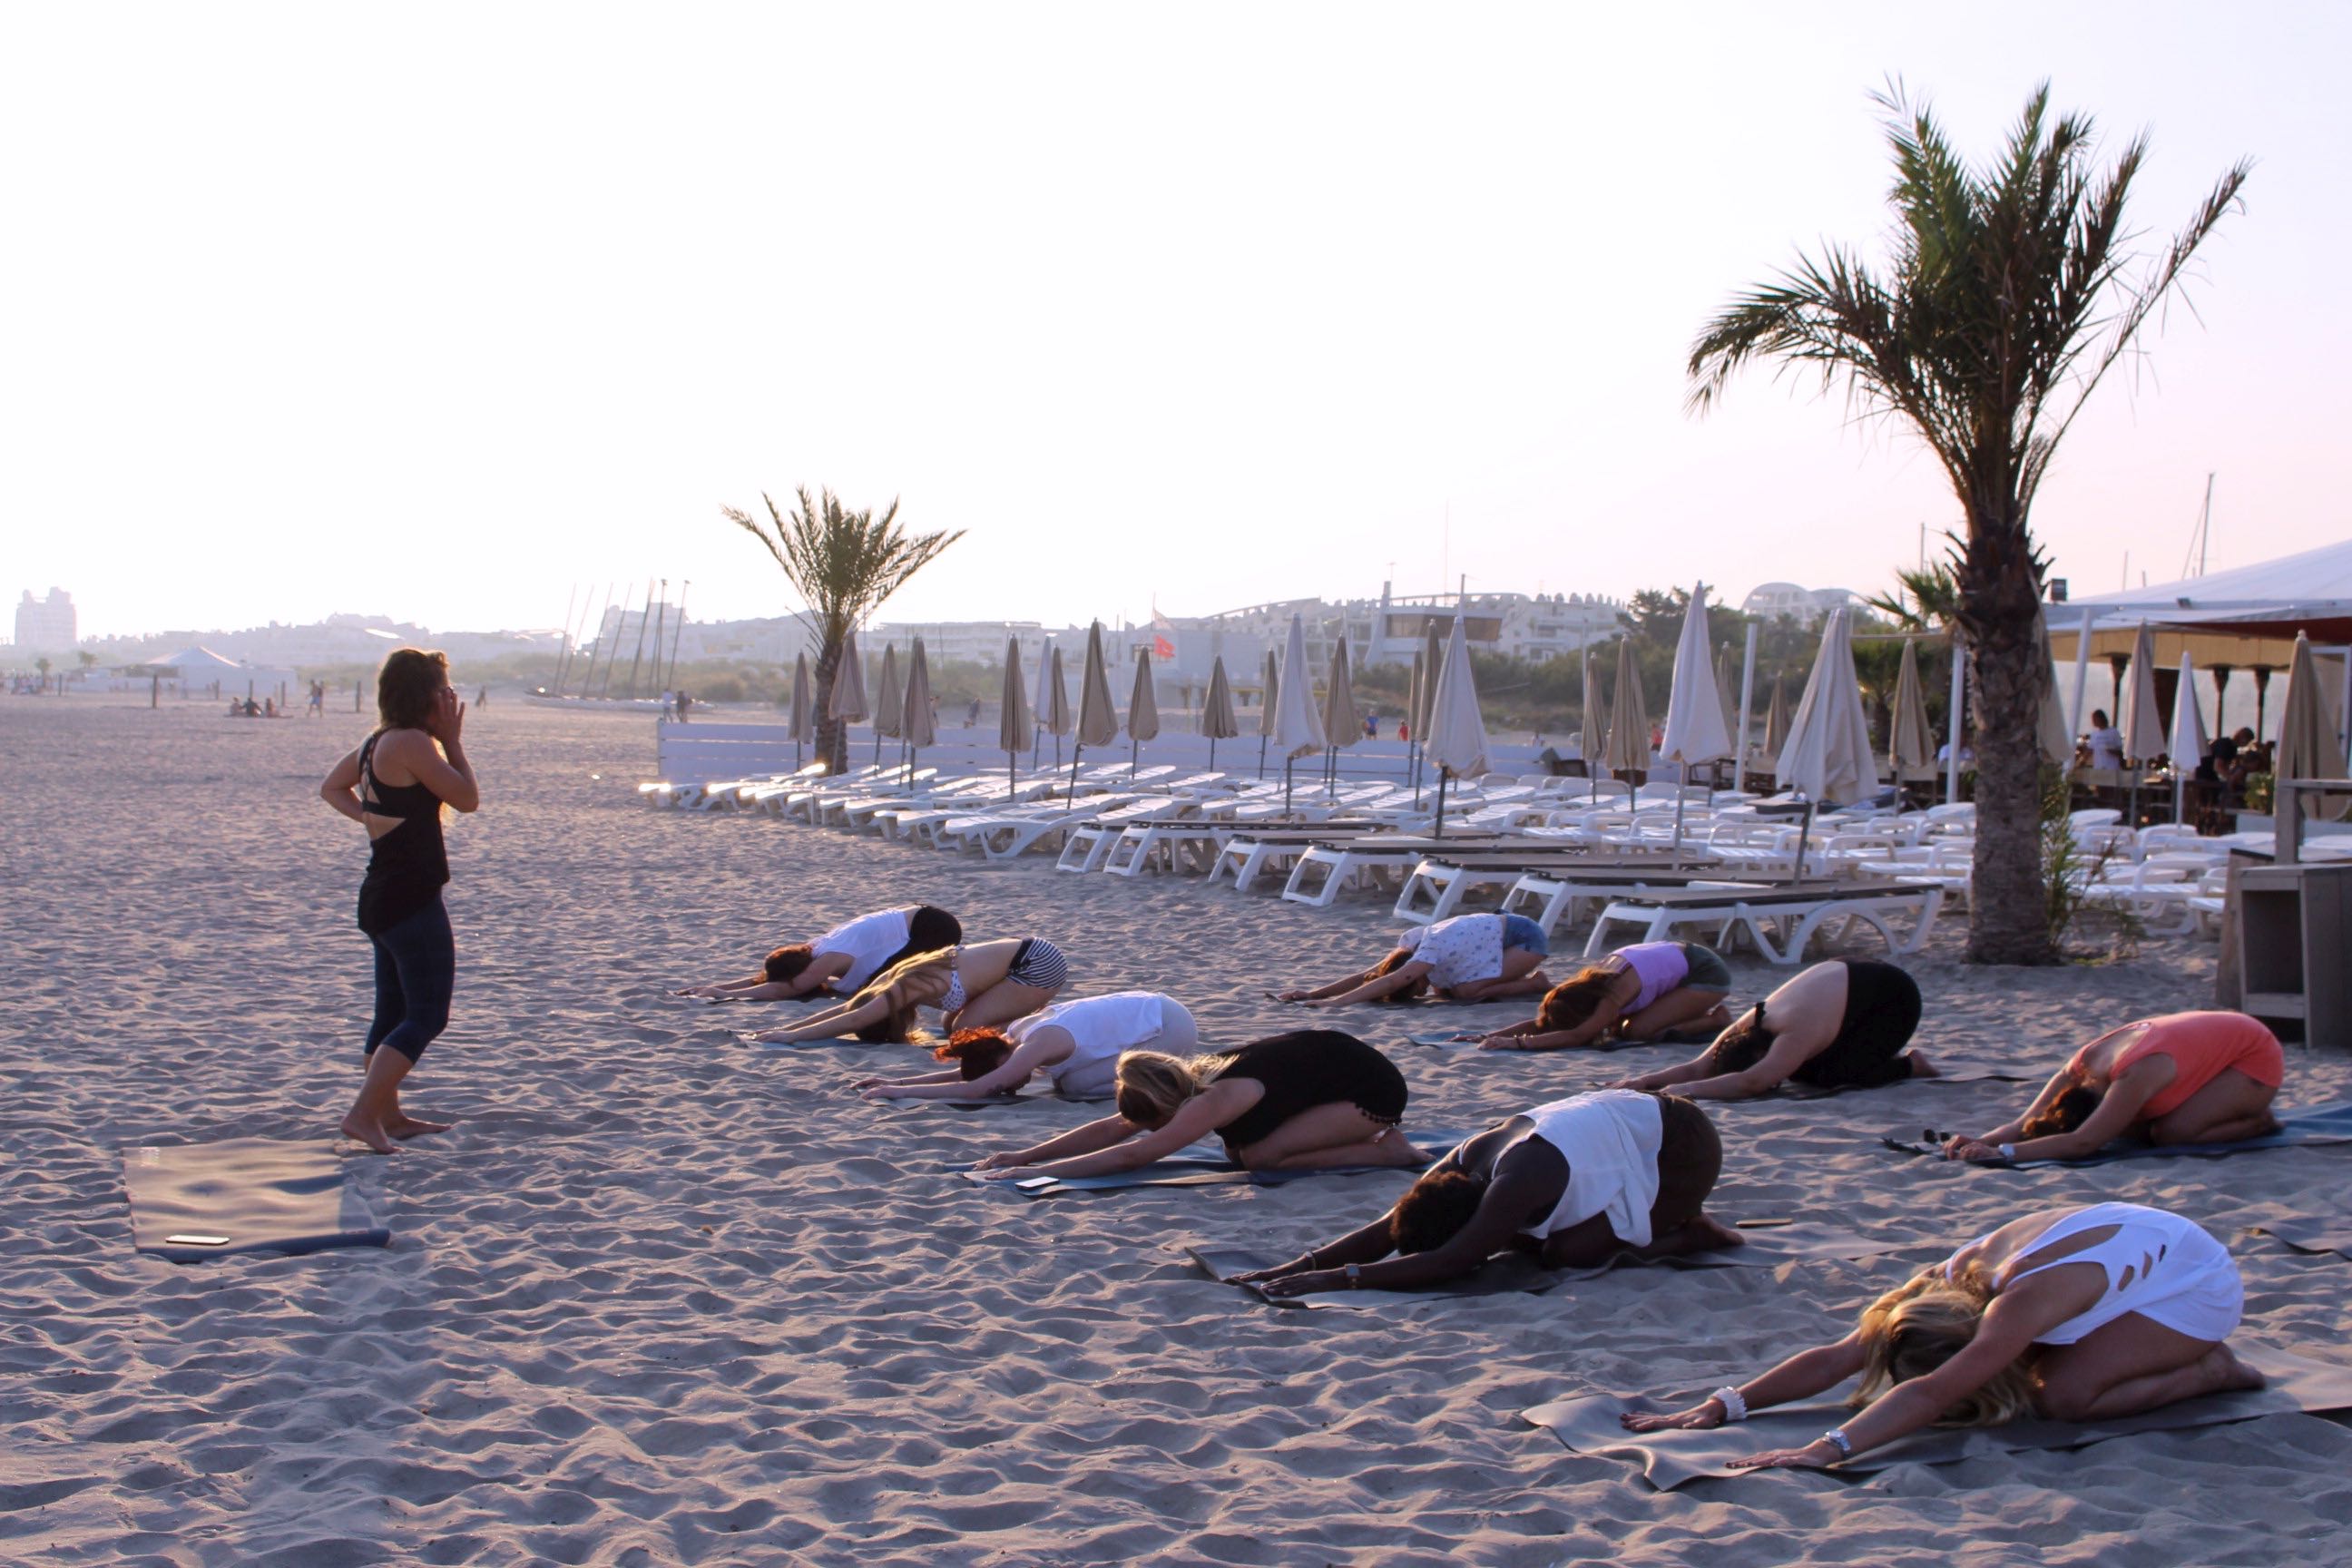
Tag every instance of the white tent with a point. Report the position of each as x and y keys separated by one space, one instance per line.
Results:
x=2310 y=591
x=198 y=668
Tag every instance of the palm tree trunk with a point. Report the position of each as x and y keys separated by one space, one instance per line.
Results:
x=1999 y=595
x=832 y=734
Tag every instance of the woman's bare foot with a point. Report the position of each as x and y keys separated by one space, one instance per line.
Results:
x=1921 y=1066
x=2229 y=1373
x=1701 y=1233
x=404 y=1125
x=369 y=1132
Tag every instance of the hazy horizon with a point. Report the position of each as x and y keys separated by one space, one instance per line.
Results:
x=318 y=315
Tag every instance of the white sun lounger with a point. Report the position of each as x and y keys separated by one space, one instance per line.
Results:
x=1779 y=921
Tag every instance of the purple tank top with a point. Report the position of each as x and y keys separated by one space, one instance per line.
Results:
x=1660 y=966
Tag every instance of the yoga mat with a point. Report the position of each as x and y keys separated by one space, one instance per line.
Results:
x=1792 y=1089
x=2311 y=1127
x=2313 y=1233
x=1770 y=1243
x=1204 y=1165
x=194 y=1201
x=1588 y=1425
x=1452 y=1043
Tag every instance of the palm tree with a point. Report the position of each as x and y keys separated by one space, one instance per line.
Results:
x=2005 y=303
x=844 y=563
x=1921 y=601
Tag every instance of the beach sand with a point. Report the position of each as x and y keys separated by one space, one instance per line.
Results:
x=664 y=1297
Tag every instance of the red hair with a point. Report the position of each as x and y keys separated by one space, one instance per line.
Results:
x=976 y=1052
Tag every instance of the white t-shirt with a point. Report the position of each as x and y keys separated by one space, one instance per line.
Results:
x=2107 y=748
x=1611 y=1137
x=1465 y=948
x=868 y=940
x=1099 y=1028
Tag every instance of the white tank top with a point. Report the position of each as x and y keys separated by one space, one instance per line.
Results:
x=1611 y=1139
x=1099 y=1028
x=868 y=940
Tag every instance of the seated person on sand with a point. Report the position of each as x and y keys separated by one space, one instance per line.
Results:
x=1636 y=993
x=1573 y=1181
x=2069 y=1313
x=976 y=985
x=1470 y=958
x=843 y=959
x=2185 y=1078
x=1077 y=1044
x=1839 y=1025
x=1311 y=1099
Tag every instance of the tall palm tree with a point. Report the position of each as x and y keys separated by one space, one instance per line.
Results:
x=2006 y=300
x=1921 y=601
x=844 y=563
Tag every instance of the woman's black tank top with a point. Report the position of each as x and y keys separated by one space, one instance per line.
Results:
x=409 y=866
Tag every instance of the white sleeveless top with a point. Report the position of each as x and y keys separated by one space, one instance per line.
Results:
x=868 y=940
x=1611 y=1139
x=2169 y=1270
x=1099 y=1028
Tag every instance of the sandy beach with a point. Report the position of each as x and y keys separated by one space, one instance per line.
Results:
x=665 y=1297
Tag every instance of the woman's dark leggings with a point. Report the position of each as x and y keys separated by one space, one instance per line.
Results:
x=416 y=971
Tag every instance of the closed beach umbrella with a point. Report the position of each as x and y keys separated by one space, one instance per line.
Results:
x=1097 y=719
x=1270 y=684
x=2057 y=740
x=1297 y=723
x=1217 y=720
x=1412 y=706
x=1038 y=732
x=2142 y=723
x=1723 y=687
x=1342 y=725
x=1776 y=717
x=845 y=701
x=1628 y=750
x=1053 y=703
x=1696 y=730
x=916 y=726
x=2308 y=745
x=1015 y=724
x=1142 y=712
x=1433 y=659
x=1828 y=756
x=2188 y=743
x=804 y=711
x=1908 y=746
x=1592 y=738
x=889 y=700
x=1457 y=729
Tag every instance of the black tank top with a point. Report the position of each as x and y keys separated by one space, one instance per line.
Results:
x=409 y=866
x=1304 y=1068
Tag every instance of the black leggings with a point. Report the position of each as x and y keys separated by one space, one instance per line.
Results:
x=1881 y=1011
x=1690 y=1158
x=928 y=929
x=415 y=972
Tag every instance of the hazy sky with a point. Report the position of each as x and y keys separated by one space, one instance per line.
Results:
x=436 y=310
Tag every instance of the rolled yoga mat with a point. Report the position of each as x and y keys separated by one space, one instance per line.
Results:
x=194 y=1201
x=2313 y=1127
x=1588 y=1425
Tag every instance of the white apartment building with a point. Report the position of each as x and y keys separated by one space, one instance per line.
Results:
x=47 y=625
x=1804 y=606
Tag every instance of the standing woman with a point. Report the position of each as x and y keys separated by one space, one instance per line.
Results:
x=395 y=786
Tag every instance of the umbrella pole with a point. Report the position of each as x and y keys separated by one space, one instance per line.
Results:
x=1679 y=792
x=1804 y=832
x=1012 y=774
x=1286 y=784
x=1134 y=759
x=2179 y=790
x=1070 y=797
x=1213 y=753
x=1261 y=756
x=1437 y=829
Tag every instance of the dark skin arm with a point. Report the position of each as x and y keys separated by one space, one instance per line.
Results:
x=1531 y=1175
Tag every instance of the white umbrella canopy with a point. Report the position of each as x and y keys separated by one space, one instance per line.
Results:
x=1015 y=724
x=1628 y=750
x=1298 y=726
x=1342 y=725
x=1217 y=720
x=1433 y=659
x=2143 y=722
x=2188 y=743
x=1723 y=687
x=1054 y=700
x=2057 y=741
x=1696 y=731
x=1097 y=719
x=1412 y=690
x=889 y=698
x=1143 y=702
x=1909 y=744
x=2308 y=746
x=915 y=724
x=804 y=713
x=1828 y=755
x=1457 y=728
x=846 y=699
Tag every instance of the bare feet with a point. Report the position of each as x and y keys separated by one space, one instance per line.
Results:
x=2228 y=1373
x=368 y=1130
x=402 y=1125
x=1701 y=1233
x=1921 y=1066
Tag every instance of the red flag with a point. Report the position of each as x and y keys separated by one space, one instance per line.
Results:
x=1162 y=648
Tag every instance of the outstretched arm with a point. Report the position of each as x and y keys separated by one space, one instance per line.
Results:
x=1961 y=1147
x=2117 y=1112
x=1101 y=1133
x=1788 y=1053
x=830 y=1022
x=1320 y=992
x=1196 y=1118
x=1371 y=990
x=1508 y=1200
x=1005 y=1077
x=1800 y=1376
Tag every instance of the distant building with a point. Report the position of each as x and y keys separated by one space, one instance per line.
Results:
x=47 y=625
x=1804 y=606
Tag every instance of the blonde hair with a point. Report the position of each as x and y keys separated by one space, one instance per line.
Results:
x=1916 y=1328
x=896 y=988
x=1153 y=1086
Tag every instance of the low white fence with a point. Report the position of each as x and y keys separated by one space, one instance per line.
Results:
x=698 y=751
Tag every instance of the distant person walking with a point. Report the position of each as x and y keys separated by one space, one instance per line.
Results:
x=395 y=786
